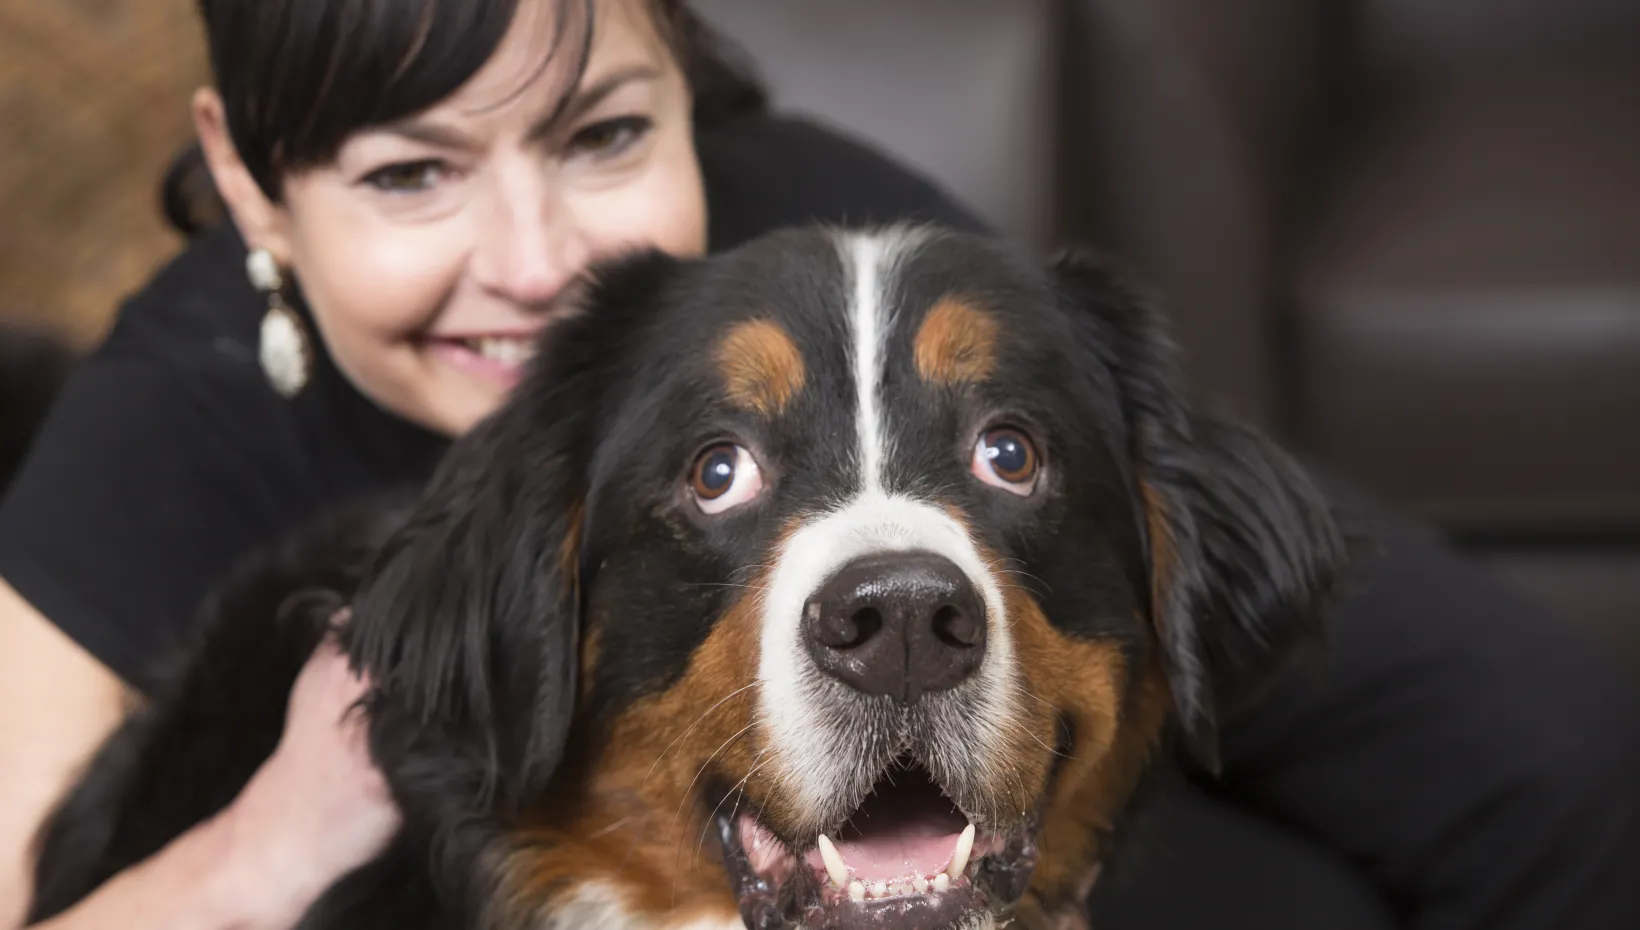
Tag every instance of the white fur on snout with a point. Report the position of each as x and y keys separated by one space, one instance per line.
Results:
x=815 y=752
x=808 y=727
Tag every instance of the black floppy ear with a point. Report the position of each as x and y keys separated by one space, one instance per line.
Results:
x=468 y=623
x=1244 y=550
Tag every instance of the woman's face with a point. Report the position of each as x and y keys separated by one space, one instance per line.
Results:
x=432 y=250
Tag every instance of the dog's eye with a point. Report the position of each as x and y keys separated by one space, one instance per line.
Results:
x=724 y=476
x=1005 y=458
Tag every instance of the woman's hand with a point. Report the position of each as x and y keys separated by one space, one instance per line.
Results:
x=317 y=808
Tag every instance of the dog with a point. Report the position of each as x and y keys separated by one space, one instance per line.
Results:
x=851 y=578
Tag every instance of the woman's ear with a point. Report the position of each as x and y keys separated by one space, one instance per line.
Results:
x=261 y=222
x=1243 y=548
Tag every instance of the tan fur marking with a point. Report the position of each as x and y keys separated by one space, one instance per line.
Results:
x=1086 y=681
x=1163 y=553
x=625 y=811
x=569 y=550
x=762 y=368
x=956 y=343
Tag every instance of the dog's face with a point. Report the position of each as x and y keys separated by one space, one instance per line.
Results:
x=845 y=580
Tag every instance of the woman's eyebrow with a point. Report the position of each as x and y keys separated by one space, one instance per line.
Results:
x=432 y=134
x=588 y=96
x=569 y=108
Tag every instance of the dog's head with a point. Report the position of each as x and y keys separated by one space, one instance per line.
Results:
x=843 y=580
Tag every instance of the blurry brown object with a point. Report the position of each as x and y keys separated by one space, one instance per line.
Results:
x=93 y=106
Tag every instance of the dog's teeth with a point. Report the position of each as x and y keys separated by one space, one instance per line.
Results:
x=835 y=866
x=897 y=888
x=942 y=882
x=959 y=856
x=879 y=890
x=856 y=891
x=919 y=884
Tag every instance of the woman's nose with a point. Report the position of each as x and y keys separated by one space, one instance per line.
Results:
x=529 y=245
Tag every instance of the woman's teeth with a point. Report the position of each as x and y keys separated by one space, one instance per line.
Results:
x=510 y=350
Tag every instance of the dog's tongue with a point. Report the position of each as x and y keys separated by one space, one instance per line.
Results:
x=905 y=829
x=917 y=847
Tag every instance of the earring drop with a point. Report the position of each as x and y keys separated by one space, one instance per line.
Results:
x=283 y=347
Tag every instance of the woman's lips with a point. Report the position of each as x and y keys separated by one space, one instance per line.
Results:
x=497 y=358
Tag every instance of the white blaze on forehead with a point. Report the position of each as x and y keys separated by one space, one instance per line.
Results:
x=869 y=261
x=868 y=520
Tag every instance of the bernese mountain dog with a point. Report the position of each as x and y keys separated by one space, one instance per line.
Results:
x=847 y=579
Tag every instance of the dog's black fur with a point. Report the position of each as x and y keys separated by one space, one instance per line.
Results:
x=467 y=619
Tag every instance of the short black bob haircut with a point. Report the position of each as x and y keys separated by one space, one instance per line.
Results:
x=297 y=77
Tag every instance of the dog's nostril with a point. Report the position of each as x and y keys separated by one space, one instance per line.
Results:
x=843 y=629
x=956 y=627
x=867 y=622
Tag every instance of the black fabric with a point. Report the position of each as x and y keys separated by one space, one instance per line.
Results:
x=1475 y=756
x=1458 y=753
x=1454 y=759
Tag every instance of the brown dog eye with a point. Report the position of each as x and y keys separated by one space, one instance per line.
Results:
x=1005 y=458
x=724 y=476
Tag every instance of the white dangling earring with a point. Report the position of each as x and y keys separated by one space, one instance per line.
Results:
x=283 y=350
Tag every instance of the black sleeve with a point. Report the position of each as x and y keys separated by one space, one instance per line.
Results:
x=135 y=498
x=1477 y=756
x=764 y=172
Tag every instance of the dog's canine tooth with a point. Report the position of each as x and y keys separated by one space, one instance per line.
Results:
x=835 y=866
x=959 y=856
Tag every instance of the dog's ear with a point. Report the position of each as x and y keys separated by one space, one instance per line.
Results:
x=467 y=625
x=1244 y=551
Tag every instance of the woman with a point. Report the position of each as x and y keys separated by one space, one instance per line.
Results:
x=411 y=185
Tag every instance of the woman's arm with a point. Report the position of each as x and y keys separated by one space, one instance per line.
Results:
x=186 y=886
x=316 y=809
x=57 y=703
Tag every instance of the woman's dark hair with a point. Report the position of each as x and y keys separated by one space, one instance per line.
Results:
x=297 y=77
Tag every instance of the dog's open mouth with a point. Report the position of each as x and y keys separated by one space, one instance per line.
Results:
x=908 y=857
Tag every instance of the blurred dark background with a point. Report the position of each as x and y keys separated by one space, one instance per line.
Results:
x=1404 y=235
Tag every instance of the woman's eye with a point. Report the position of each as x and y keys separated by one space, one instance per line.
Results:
x=724 y=476
x=406 y=177
x=610 y=137
x=1005 y=458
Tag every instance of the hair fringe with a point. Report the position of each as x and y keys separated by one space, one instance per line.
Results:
x=722 y=76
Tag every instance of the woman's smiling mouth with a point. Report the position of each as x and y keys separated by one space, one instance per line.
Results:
x=497 y=357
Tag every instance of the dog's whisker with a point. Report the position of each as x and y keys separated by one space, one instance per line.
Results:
x=1021 y=688
x=689 y=791
x=691 y=727
x=605 y=831
x=1045 y=587
x=738 y=788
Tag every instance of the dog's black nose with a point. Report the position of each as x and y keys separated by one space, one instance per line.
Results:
x=901 y=624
